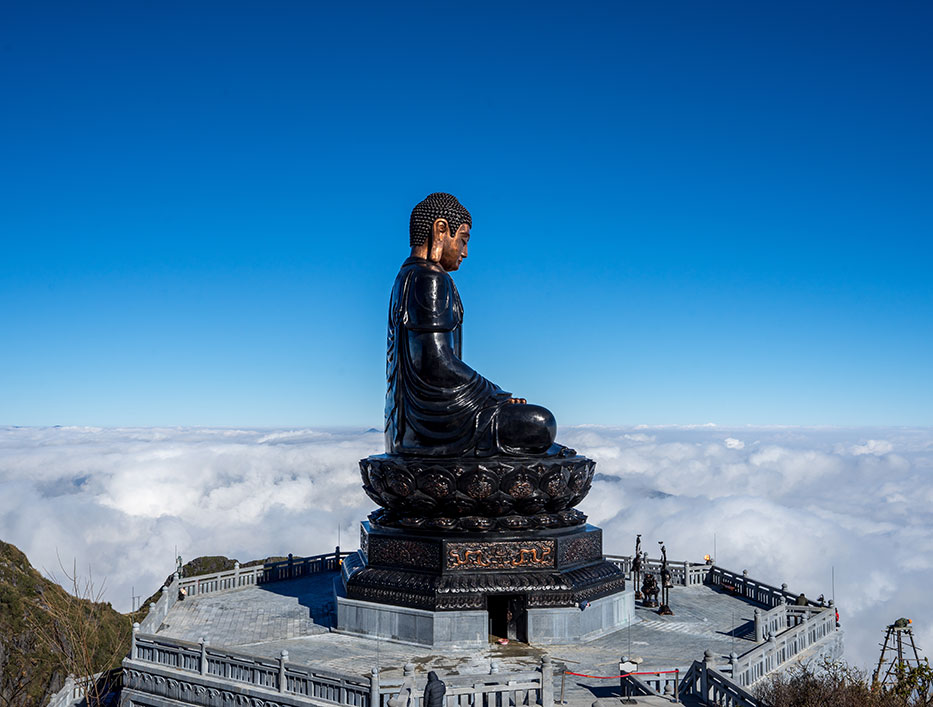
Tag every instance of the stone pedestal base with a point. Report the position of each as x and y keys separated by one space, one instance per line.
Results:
x=459 y=571
x=573 y=625
x=453 y=629
x=470 y=629
x=437 y=589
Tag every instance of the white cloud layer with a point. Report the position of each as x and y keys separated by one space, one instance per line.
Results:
x=788 y=504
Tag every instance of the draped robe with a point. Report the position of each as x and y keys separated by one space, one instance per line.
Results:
x=436 y=405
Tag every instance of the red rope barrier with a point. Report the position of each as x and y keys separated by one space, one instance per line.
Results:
x=623 y=675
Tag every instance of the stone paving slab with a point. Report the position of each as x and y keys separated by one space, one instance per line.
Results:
x=282 y=610
x=297 y=616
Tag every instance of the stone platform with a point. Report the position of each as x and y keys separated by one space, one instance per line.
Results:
x=297 y=616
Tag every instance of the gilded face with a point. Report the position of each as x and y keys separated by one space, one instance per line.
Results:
x=455 y=248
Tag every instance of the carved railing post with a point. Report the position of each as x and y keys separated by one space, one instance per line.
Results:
x=547 y=682
x=708 y=660
x=283 y=680
x=374 y=686
x=409 y=670
x=133 y=640
x=203 y=664
x=759 y=628
x=236 y=574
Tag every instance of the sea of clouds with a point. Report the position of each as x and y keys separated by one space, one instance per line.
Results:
x=789 y=504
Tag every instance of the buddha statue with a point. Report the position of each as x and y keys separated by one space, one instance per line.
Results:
x=436 y=405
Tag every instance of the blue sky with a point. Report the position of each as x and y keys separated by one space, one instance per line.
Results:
x=683 y=212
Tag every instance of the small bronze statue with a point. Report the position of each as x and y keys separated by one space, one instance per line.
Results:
x=636 y=567
x=649 y=590
x=666 y=584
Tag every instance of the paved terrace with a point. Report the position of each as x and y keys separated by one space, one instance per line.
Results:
x=296 y=615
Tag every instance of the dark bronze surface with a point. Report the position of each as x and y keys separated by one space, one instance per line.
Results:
x=581 y=548
x=436 y=405
x=520 y=563
x=456 y=571
x=511 y=493
x=649 y=590
x=414 y=553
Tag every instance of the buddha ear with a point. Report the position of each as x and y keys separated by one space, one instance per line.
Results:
x=440 y=232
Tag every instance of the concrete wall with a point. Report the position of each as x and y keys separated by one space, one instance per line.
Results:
x=416 y=626
x=572 y=625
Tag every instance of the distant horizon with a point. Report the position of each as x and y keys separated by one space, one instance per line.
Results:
x=374 y=428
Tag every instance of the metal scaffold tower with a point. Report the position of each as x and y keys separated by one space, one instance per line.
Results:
x=898 y=649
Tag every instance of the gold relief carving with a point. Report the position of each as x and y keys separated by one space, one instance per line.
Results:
x=500 y=555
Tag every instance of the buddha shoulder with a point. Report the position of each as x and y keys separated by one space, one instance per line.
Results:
x=432 y=301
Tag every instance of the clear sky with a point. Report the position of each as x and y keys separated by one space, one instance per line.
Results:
x=684 y=212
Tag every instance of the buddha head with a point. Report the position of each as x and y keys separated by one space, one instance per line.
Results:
x=439 y=230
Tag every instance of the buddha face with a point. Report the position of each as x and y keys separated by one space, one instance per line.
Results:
x=454 y=246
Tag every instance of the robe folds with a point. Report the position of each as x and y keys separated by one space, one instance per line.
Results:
x=436 y=405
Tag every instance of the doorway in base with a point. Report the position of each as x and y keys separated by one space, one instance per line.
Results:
x=508 y=617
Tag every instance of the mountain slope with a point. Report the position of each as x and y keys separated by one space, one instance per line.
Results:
x=47 y=633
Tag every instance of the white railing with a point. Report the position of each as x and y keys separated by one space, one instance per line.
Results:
x=75 y=690
x=71 y=693
x=291 y=568
x=783 y=647
x=713 y=688
x=199 y=659
x=514 y=689
x=760 y=592
x=159 y=609
x=683 y=574
x=198 y=663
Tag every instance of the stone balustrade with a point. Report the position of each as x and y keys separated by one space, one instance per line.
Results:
x=805 y=629
x=515 y=689
x=160 y=608
x=754 y=590
x=770 y=622
x=205 y=675
x=661 y=683
x=182 y=661
x=75 y=690
x=683 y=574
x=702 y=680
x=291 y=568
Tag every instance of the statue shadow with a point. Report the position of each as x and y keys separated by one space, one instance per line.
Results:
x=314 y=592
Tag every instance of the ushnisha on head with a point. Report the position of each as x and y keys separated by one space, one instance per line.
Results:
x=439 y=230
